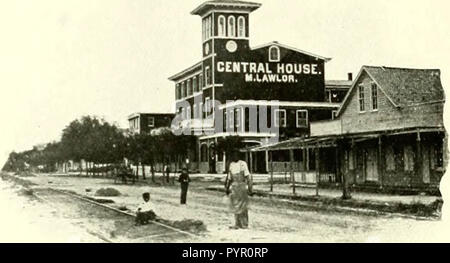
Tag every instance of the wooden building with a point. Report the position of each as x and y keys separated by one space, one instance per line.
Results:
x=148 y=122
x=388 y=134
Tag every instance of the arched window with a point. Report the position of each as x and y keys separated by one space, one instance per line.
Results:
x=222 y=26
x=231 y=26
x=274 y=54
x=241 y=26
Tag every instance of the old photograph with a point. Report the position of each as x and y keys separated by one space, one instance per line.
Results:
x=224 y=121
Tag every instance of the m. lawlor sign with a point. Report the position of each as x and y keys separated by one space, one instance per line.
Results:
x=268 y=72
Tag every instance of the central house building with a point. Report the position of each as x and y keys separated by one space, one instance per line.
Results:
x=233 y=86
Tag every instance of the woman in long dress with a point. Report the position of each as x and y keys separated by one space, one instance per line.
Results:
x=238 y=179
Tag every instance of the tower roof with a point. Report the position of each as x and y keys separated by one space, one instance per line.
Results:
x=225 y=5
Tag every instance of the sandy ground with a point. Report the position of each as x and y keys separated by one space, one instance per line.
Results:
x=29 y=220
x=270 y=219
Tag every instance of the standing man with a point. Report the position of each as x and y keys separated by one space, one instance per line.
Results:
x=184 y=183
x=238 y=185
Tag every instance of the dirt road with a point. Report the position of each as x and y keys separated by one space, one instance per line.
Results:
x=270 y=220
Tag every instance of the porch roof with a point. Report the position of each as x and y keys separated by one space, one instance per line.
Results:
x=331 y=140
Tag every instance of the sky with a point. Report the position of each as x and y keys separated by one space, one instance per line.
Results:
x=60 y=60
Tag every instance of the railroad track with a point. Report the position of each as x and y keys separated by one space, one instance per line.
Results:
x=108 y=223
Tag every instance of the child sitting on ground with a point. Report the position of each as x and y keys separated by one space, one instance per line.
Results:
x=144 y=212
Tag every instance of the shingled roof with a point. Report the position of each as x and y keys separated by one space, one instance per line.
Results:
x=406 y=86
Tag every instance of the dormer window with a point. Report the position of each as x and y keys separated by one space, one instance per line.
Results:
x=241 y=26
x=222 y=26
x=374 y=97
x=231 y=26
x=274 y=54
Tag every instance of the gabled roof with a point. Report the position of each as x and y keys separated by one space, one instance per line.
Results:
x=191 y=69
x=275 y=43
x=403 y=86
x=341 y=84
x=220 y=4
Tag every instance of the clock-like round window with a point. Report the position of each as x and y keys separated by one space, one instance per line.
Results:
x=231 y=46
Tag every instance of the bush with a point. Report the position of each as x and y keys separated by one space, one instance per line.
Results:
x=107 y=192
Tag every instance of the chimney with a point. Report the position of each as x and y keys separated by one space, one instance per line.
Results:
x=350 y=76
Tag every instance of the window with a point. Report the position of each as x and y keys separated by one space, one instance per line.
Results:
x=231 y=26
x=177 y=92
x=189 y=87
x=302 y=118
x=222 y=26
x=274 y=54
x=210 y=26
x=237 y=117
x=151 y=121
x=437 y=154
x=241 y=26
x=183 y=90
x=374 y=97
x=207 y=104
x=195 y=113
x=231 y=119
x=204 y=29
x=207 y=76
x=408 y=158
x=194 y=84
x=351 y=162
x=280 y=118
x=361 y=98
x=390 y=161
x=200 y=81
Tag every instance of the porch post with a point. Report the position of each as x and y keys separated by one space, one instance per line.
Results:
x=316 y=155
x=419 y=158
x=380 y=161
x=251 y=161
x=291 y=163
x=271 y=172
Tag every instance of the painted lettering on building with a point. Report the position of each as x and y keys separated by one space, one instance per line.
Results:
x=268 y=72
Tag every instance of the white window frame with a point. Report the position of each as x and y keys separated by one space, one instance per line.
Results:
x=152 y=123
x=241 y=27
x=277 y=117
x=195 y=84
x=363 y=98
x=374 y=87
x=221 y=30
x=207 y=104
x=231 y=119
x=270 y=54
x=296 y=118
x=231 y=32
x=237 y=117
x=207 y=76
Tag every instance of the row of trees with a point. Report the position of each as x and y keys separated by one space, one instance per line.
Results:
x=99 y=142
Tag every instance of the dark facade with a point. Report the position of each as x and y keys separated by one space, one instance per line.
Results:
x=145 y=123
x=286 y=82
